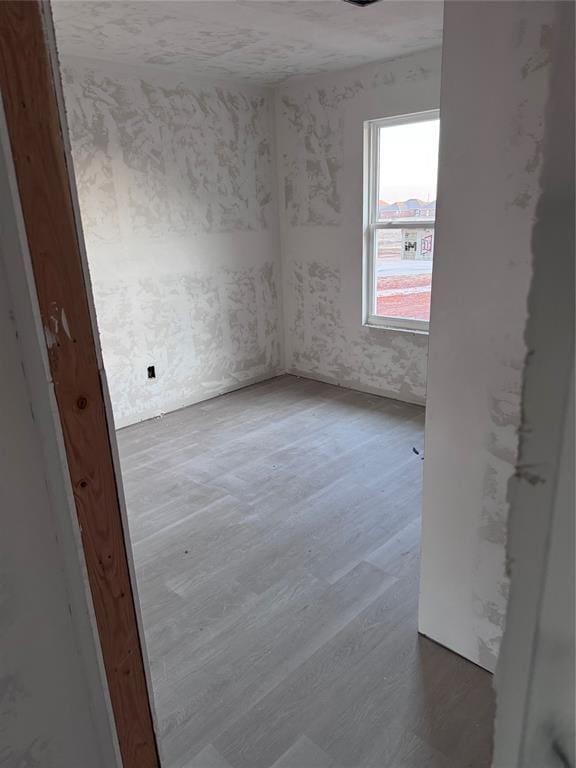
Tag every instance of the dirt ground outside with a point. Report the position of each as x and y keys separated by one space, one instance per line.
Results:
x=403 y=295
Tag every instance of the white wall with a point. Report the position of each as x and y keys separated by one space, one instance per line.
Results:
x=54 y=706
x=320 y=164
x=535 y=724
x=177 y=195
x=550 y=714
x=492 y=108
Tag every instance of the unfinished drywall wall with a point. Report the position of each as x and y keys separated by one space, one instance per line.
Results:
x=550 y=711
x=535 y=724
x=492 y=106
x=45 y=707
x=54 y=708
x=320 y=166
x=177 y=196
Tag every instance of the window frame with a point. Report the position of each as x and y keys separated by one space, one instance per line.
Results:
x=372 y=225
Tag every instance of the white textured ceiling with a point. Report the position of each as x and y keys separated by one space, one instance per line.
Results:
x=262 y=41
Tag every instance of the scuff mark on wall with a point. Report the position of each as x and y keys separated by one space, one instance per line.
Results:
x=8 y=605
x=14 y=699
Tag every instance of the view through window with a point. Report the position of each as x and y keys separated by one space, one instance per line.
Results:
x=402 y=174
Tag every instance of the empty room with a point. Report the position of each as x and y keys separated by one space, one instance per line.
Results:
x=310 y=363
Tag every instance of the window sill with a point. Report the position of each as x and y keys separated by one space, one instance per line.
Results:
x=396 y=329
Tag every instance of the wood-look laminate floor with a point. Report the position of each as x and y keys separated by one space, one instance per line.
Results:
x=276 y=541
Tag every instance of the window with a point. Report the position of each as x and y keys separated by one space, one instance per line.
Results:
x=401 y=167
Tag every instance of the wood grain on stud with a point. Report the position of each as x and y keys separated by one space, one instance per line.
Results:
x=34 y=127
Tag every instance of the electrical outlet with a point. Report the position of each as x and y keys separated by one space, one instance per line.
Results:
x=151 y=372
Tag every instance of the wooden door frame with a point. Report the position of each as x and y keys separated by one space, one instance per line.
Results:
x=36 y=125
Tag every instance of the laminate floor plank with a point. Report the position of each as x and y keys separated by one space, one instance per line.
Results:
x=233 y=674
x=305 y=754
x=276 y=535
x=323 y=684
x=209 y=758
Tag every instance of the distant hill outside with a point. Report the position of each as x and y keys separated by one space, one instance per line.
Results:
x=406 y=209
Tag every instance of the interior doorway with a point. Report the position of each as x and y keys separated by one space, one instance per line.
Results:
x=275 y=526
x=65 y=517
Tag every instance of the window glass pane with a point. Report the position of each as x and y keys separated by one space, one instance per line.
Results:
x=407 y=168
x=403 y=273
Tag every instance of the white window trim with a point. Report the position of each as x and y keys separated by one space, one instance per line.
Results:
x=372 y=225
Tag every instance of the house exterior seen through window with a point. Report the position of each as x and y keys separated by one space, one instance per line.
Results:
x=401 y=168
